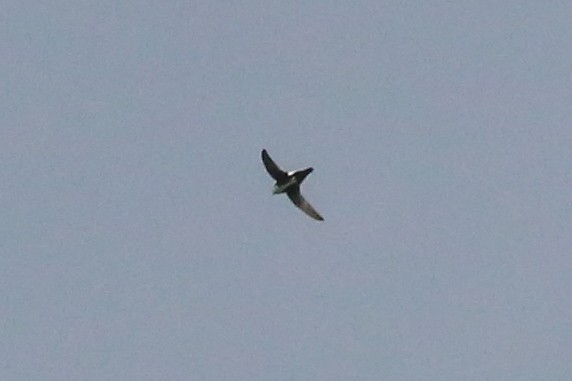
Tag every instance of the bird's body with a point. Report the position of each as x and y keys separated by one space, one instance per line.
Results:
x=281 y=188
x=289 y=183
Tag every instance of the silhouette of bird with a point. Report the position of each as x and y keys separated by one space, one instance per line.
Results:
x=289 y=183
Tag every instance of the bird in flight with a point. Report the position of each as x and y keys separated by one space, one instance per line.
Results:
x=289 y=183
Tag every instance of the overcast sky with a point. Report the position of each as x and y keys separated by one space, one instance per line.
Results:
x=140 y=240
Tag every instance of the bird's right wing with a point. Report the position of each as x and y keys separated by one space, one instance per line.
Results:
x=296 y=197
x=272 y=168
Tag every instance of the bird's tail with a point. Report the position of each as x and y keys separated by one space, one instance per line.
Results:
x=301 y=175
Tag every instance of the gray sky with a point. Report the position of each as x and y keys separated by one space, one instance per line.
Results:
x=139 y=238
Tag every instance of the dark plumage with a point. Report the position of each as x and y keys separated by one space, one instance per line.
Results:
x=289 y=183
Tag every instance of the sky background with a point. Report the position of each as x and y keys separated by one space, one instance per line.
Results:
x=139 y=239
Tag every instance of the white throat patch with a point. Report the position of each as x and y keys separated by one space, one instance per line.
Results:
x=282 y=188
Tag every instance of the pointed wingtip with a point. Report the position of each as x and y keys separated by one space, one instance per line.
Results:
x=317 y=217
x=264 y=154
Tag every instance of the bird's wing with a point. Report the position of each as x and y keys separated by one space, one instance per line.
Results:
x=272 y=168
x=294 y=194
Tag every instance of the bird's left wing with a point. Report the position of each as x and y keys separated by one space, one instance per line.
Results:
x=272 y=168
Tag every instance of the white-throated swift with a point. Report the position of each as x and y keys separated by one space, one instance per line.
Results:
x=289 y=183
